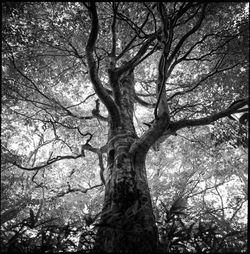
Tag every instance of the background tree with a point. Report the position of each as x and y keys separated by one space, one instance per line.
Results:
x=88 y=89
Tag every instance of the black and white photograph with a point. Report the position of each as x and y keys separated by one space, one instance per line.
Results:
x=124 y=127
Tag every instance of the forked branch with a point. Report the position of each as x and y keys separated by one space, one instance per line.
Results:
x=98 y=87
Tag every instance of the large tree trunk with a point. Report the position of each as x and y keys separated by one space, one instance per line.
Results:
x=127 y=222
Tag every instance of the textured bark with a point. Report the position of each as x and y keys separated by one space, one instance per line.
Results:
x=127 y=222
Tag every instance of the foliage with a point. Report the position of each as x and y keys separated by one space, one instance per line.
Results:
x=179 y=233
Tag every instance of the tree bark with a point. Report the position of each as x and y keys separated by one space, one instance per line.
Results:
x=127 y=222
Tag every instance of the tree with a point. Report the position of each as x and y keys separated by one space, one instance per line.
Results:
x=192 y=54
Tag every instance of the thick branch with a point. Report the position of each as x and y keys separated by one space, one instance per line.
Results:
x=209 y=119
x=98 y=87
x=162 y=126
